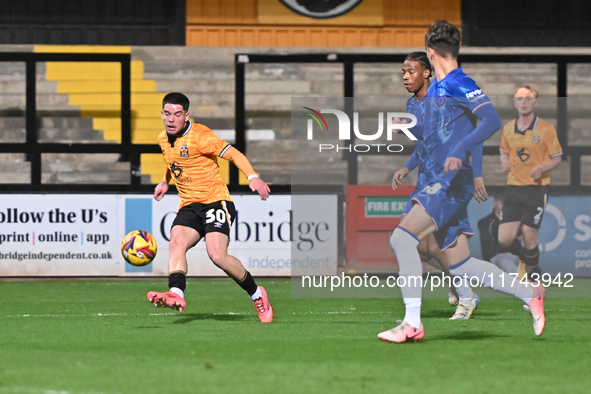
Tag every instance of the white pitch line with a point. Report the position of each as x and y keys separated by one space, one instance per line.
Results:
x=30 y=390
x=91 y=315
x=231 y=313
x=181 y=314
x=63 y=315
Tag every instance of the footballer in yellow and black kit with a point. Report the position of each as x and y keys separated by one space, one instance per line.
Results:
x=191 y=153
x=526 y=197
x=191 y=157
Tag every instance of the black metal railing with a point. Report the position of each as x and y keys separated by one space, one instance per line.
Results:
x=33 y=149
x=129 y=152
x=349 y=60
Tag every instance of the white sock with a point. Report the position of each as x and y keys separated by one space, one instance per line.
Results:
x=464 y=291
x=177 y=291
x=412 y=314
x=409 y=261
x=257 y=294
x=500 y=280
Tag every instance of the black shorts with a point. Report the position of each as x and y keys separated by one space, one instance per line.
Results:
x=206 y=218
x=525 y=204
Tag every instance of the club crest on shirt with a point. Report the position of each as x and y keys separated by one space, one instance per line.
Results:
x=536 y=139
x=184 y=151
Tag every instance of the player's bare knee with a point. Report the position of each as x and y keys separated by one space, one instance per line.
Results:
x=217 y=257
x=174 y=245
x=505 y=240
x=178 y=246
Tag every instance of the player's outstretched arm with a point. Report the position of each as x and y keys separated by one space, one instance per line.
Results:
x=410 y=165
x=255 y=183
x=413 y=160
x=398 y=176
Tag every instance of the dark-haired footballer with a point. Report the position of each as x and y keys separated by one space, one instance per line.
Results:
x=206 y=211
x=416 y=71
x=450 y=131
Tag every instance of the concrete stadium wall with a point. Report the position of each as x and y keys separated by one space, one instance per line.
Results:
x=206 y=75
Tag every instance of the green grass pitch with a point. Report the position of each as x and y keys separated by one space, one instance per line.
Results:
x=90 y=337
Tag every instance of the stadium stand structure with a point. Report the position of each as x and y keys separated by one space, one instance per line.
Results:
x=57 y=121
x=94 y=90
x=81 y=105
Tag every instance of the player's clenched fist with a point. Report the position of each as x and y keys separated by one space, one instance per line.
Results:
x=536 y=173
x=452 y=164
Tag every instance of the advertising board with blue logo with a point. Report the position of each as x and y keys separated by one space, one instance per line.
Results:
x=564 y=237
x=80 y=235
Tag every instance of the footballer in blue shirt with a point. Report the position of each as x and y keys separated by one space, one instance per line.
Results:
x=417 y=71
x=449 y=132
